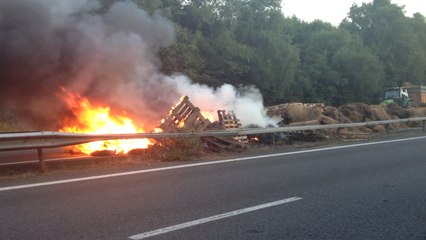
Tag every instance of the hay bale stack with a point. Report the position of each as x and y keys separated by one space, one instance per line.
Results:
x=276 y=111
x=327 y=120
x=356 y=112
x=299 y=112
x=417 y=112
x=378 y=113
x=335 y=114
x=397 y=111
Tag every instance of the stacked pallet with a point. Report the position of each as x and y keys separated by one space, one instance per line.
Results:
x=185 y=116
x=229 y=121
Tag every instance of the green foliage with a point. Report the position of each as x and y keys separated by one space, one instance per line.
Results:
x=396 y=40
x=251 y=42
x=184 y=56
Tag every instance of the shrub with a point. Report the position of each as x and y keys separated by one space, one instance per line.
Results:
x=177 y=149
x=7 y=123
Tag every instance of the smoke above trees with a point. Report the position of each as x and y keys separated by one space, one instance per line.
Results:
x=108 y=56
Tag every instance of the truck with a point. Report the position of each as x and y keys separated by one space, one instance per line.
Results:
x=396 y=95
x=410 y=96
x=417 y=95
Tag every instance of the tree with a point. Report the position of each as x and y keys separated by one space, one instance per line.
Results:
x=391 y=36
x=418 y=23
x=184 y=56
x=360 y=72
x=272 y=67
x=335 y=66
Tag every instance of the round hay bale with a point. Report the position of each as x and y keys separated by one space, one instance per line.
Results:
x=331 y=112
x=356 y=112
x=397 y=111
x=378 y=113
x=299 y=112
x=417 y=112
x=327 y=120
x=343 y=119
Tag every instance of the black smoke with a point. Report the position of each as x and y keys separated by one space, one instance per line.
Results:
x=110 y=57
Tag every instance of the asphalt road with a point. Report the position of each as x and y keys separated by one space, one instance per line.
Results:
x=372 y=191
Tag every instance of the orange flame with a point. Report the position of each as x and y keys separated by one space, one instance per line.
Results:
x=98 y=119
x=208 y=115
x=181 y=122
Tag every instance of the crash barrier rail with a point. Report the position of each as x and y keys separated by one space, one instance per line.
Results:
x=40 y=140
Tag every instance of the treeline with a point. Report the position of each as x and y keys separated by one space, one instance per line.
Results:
x=252 y=42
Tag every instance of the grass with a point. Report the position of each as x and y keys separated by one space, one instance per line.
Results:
x=7 y=123
x=177 y=149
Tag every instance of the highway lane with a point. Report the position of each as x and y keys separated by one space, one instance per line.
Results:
x=361 y=192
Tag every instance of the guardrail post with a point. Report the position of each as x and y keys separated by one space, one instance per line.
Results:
x=41 y=159
x=273 y=138
x=424 y=125
x=387 y=127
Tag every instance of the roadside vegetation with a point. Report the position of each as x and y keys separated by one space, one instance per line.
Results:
x=252 y=42
x=177 y=149
x=7 y=123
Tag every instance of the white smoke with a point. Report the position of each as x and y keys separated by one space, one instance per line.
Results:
x=246 y=102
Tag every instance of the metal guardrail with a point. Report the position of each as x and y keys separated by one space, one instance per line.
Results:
x=40 y=140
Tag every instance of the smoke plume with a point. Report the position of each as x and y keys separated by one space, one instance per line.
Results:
x=108 y=56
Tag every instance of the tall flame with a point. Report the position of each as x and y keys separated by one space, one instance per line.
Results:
x=88 y=118
x=208 y=115
x=181 y=123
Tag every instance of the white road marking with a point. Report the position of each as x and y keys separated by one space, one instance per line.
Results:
x=201 y=164
x=212 y=218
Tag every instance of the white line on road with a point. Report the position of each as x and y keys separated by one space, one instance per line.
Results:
x=212 y=218
x=201 y=164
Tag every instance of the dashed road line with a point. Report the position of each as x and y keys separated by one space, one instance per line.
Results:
x=210 y=219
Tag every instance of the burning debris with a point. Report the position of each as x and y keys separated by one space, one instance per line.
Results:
x=228 y=120
x=87 y=117
x=185 y=116
x=107 y=60
x=107 y=55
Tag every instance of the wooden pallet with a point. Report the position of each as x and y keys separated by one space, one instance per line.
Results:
x=185 y=116
x=229 y=121
x=219 y=144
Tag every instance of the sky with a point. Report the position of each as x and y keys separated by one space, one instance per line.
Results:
x=334 y=11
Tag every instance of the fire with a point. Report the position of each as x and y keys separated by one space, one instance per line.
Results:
x=180 y=122
x=208 y=115
x=91 y=118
